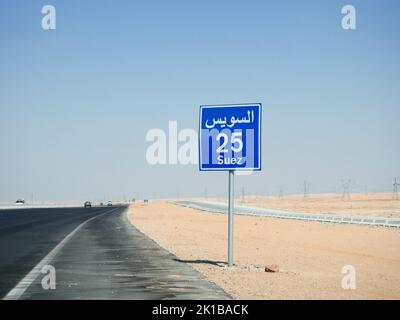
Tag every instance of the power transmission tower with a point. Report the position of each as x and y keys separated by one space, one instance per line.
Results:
x=306 y=187
x=396 y=185
x=280 y=192
x=346 y=188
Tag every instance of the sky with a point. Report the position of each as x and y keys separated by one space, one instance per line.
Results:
x=77 y=102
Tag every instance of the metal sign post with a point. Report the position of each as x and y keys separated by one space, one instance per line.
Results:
x=231 y=197
x=230 y=140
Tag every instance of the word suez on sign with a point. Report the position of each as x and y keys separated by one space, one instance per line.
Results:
x=230 y=137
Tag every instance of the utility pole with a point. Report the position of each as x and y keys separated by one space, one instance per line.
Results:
x=396 y=185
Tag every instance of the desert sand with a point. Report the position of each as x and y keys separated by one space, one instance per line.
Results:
x=309 y=255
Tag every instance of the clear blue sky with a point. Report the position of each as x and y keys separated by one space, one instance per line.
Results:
x=76 y=102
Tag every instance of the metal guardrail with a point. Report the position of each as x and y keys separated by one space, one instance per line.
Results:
x=254 y=211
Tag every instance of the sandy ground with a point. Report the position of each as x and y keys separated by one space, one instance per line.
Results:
x=366 y=204
x=310 y=255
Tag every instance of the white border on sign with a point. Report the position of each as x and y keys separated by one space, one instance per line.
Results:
x=259 y=136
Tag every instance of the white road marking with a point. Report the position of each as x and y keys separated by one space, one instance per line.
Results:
x=23 y=285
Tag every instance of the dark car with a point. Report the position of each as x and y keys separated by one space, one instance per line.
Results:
x=87 y=204
x=20 y=201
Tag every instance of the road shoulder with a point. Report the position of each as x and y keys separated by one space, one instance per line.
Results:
x=108 y=258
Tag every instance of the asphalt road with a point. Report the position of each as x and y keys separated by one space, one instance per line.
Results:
x=98 y=254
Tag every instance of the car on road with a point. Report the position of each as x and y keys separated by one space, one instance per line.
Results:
x=109 y=204
x=20 y=201
x=87 y=204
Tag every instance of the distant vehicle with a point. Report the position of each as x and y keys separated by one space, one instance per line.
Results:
x=87 y=204
x=20 y=201
x=109 y=204
x=101 y=204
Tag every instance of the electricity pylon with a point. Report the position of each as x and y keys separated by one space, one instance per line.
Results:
x=306 y=187
x=346 y=188
x=396 y=185
x=280 y=192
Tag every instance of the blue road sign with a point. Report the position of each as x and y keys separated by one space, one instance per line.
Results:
x=230 y=137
